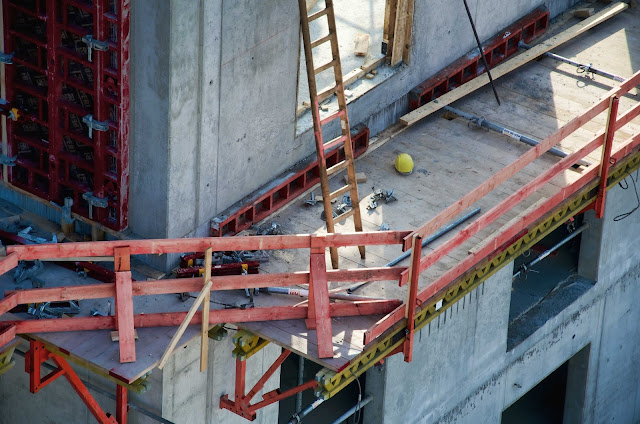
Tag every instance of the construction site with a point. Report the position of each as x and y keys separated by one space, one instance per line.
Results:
x=320 y=211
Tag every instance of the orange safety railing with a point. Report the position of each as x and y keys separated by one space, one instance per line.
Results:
x=318 y=312
x=603 y=138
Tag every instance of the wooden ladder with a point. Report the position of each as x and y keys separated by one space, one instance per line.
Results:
x=318 y=123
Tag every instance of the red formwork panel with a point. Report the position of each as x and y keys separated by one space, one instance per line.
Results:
x=497 y=49
x=239 y=218
x=70 y=81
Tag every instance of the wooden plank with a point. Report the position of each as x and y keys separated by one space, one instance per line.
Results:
x=160 y=246
x=399 y=36
x=204 y=331
x=506 y=226
x=320 y=300
x=511 y=64
x=9 y=302
x=169 y=319
x=406 y=54
x=124 y=316
x=8 y=262
x=185 y=323
x=7 y=335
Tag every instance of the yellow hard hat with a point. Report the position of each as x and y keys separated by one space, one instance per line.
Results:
x=404 y=164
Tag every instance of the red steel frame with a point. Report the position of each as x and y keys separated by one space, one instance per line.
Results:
x=38 y=354
x=241 y=403
x=54 y=85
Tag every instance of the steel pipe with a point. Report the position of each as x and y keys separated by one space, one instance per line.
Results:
x=587 y=68
x=525 y=267
x=300 y=383
x=305 y=293
x=442 y=231
x=482 y=122
x=298 y=416
x=353 y=410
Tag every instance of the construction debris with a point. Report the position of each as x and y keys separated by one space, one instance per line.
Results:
x=380 y=195
x=24 y=272
x=362 y=44
x=361 y=177
x=270 y=230
x=313 y=200
x=54 y=309
x=584 y=12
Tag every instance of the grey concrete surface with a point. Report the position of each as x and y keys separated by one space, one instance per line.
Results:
x=464 y=374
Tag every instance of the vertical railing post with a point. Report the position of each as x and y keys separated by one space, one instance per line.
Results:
x=605 y=163
x=122 y=404
x=124 y=304
x=319 y=297
x=412 y=295
x=204 y=331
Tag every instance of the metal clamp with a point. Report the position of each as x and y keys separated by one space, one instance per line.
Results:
x=7 y=160
x=7 y=58
x=94 y=44
x=93 y=201
x=65 y=210
x=94 y=125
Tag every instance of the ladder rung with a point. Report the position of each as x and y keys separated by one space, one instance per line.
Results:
x=317 y=15
x=340 y=191
x=332 y=117
x=325 y=66
x=335 y=142
x=337 y=167
x=344 y=216
x=325 y=94
x=322 y=40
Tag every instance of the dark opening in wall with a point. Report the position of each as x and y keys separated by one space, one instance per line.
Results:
x=557 y=399
x=327 y=412
x=546 y=280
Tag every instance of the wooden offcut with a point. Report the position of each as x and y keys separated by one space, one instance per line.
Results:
x=512 y=64
x=115 y=336
x=585 y=12
x=176 y=337
x=362 y=44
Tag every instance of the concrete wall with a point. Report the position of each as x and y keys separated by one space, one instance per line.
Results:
x=214 y=86
x=462 y=373
x=189 y=396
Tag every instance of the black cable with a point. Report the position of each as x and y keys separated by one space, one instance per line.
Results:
x=635 y=187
